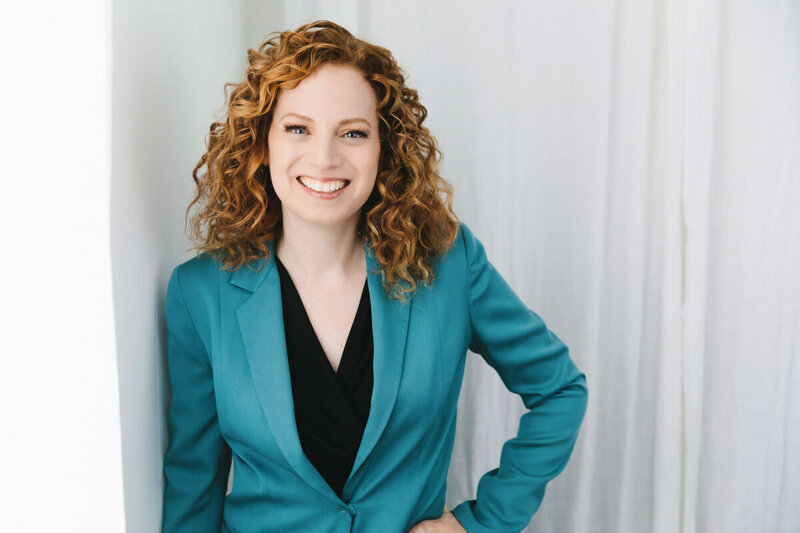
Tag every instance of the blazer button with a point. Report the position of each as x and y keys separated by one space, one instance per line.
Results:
x=346 y=517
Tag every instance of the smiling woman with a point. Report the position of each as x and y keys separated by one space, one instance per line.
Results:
x=328 y=369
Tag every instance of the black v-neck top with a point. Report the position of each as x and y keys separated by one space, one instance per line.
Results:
x=331 y=407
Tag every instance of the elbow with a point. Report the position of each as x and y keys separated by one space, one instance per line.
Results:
x=578 y=393
x=573 y=399
x=584 y=388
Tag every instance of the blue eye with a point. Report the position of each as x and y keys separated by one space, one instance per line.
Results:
x=288 y=128
x=361 y=133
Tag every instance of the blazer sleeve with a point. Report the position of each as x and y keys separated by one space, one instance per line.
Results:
x=197 y=460
x=533 y=363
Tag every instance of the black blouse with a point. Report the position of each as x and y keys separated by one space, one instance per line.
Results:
x=330 y=407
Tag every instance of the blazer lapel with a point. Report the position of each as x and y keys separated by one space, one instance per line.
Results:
x=260 y=319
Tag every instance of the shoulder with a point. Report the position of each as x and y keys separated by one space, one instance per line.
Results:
x=197 y=271
x=197 y=281
x=452 y=266
x=472 y=246
x=463 y=248
x=465 y=264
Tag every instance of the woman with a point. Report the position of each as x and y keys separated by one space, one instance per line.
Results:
x=318 y=340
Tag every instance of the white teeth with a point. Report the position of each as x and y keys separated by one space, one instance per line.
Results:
x=321 y=186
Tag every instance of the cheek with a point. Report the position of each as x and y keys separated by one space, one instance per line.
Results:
x=368 y=161
x=279 y=156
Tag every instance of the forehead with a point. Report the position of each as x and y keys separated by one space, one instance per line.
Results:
x=330 y=91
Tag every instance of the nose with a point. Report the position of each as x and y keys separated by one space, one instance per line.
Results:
x=325 y=151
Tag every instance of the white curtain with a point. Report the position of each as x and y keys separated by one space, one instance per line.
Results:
x=633 y=170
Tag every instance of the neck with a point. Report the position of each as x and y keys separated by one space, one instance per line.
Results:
x=318 y=252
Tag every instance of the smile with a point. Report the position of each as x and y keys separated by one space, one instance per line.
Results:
x=323 y=189
x=322 y=186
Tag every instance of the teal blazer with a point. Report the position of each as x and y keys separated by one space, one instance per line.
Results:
x=231 y=400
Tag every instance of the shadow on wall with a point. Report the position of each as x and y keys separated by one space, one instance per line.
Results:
x=168 y=79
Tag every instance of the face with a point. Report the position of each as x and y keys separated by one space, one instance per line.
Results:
x=324 y=133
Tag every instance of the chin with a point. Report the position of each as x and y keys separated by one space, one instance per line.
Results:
x=324 y=217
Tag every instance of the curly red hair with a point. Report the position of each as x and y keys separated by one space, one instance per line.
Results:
x=405 y=218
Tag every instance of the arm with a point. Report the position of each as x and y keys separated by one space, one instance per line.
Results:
x=535 y=364
x=197 y=461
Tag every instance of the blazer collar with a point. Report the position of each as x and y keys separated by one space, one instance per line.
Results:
x=260 y=319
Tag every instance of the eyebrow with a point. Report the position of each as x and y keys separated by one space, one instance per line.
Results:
x=341 y=122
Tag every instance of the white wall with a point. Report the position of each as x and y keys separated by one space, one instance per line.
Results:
x=171 y=60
